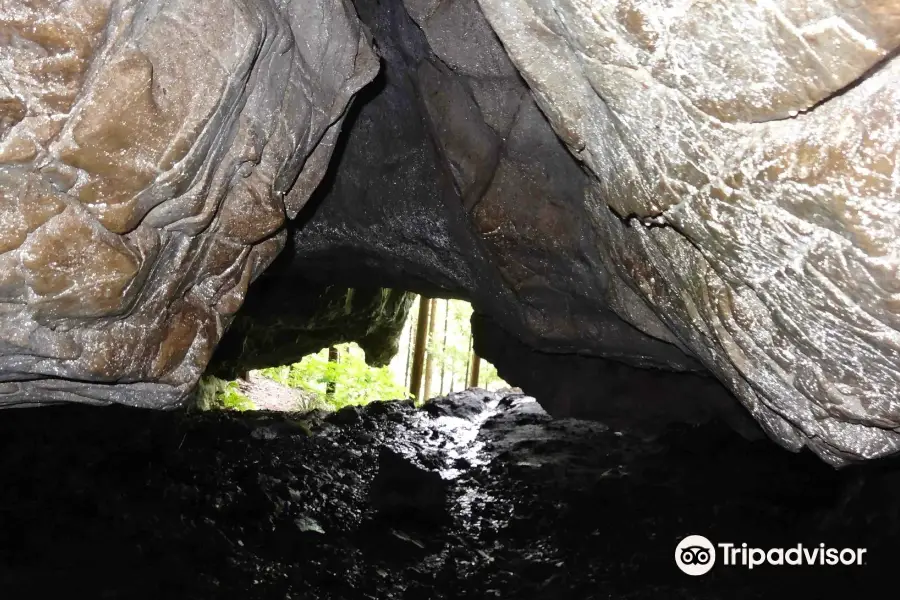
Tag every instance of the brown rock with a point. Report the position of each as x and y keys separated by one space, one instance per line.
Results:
x=146 y=151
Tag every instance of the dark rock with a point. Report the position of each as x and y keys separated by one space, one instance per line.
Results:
x=403 y=490
x=396 y=417
x=388 y=407
x=462 y=464
x=145 y=505
x=510 y=400
x=270 y=428
x=287 y=317
x=613 y=392
x=345 y=416
x=466 y=404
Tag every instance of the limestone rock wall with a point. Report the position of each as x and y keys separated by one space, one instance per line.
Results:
x=149 y=152
x=639 y=400
x=745 y=166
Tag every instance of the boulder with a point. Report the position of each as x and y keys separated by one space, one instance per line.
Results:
x=467 y=404
x=405 y=491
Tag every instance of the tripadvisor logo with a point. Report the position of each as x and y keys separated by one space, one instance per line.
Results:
x=696 y=555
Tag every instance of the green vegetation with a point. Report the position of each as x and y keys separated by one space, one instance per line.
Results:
x=350 y=378
x=217 y=394
x=339 y=376
x=233 y=399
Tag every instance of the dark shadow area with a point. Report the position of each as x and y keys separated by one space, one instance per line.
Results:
x=367 y=94
x=125 y=503
x=643 y=401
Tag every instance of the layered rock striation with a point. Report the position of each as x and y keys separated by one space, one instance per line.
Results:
x=149 y=154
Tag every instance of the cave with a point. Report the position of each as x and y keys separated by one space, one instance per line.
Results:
x=677 y=225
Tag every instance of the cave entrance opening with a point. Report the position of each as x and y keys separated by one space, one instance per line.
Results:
x=435 y=357
x=438 y=333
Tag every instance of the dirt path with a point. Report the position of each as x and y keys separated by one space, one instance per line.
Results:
x=267 y=394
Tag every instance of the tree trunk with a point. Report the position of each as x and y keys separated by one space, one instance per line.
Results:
x=476 y=370
x=333 y=356
x=415 y=383
x=468 y=361
x=429 y=360
x=409 y=349
x=444 y=347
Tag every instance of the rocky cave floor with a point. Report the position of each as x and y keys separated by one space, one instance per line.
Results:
x=465 y=498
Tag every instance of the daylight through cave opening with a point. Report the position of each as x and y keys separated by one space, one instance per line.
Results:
x=434 y=357
x=448 y=180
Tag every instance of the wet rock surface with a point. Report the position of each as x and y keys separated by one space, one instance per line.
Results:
x=150 y=153
x=448 y=181
x=509 y=503
x=749 y=199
